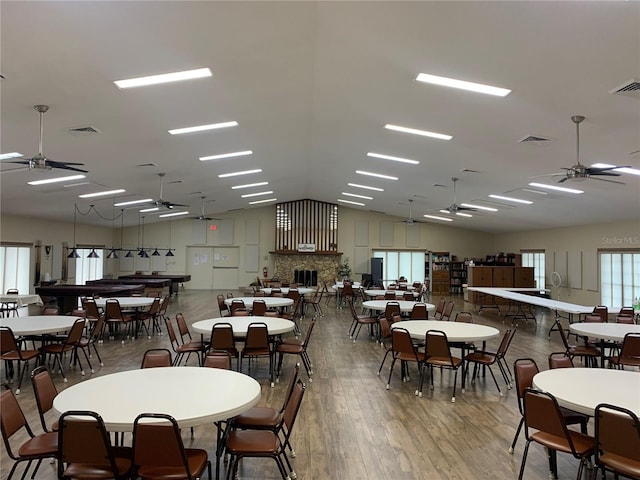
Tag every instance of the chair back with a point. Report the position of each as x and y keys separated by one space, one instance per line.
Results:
x=385 y=331
x=112 y=310
x=293 y=407
x=440 y=308
x=347 y=289
x=259 y=308
x=222 y=307
x=465 y=317
x=45 y=391
x=390 y=295
x=560 y=360
x=401 y=343
x=293 y=293
x=437 y=345
x=630 y=351
x=257 y=337
x=237 y=305
x=156 y=357
x=563 y=336
x=627 y=311
x=419 y=312
x=542 y=413
x=13 y=291
x=593 y=318
x=172 y=335
x=183 y=328
x=617 y=432
x=408 y=296
x=229 y=295
x=50 y=310
x=307 y=336
x=75 y=334
x=90 y=308
x=603 y=311
x=524 y=369
x=390 y=309
x=12 y=418
x=627 y=319
x=8 y=342
x=395 y=317
x=218 y=359
x=222 y=338
x=448 y=310
x=259 y=293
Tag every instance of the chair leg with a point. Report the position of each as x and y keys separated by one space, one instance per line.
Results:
x=524 y=459
x=515 y=437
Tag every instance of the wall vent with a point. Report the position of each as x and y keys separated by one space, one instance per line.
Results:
x=534 y=139
x=629 y=89
x=84 y=131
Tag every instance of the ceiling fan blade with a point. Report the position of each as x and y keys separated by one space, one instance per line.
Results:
x=605 y=180
x=599 y=170
x=66 y=166
x=562 y=180
x=608 y=174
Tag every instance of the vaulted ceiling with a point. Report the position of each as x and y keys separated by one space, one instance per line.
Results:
x=312 y=86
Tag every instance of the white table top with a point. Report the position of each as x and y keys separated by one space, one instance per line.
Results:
x=126 y=302
x=270 y=302
x=396 y=286
x=275 y=325
x=192 y=395
x=398 y=293
x=455 y=331
x=405 y=305
x=340 y=285
x=21 y=300
x=604 y=331
x=533 y=300
x=285 y=290
x=38 y=324
x=582 y=389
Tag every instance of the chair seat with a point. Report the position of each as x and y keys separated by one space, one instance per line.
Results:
x=628 y=361
x=256 y=351
x=481 y=357
x=123 y=460
x=623 y=465
x=58 y=348
x=290 y=348
x=40 y=445
x=258 y=417
x=253 y=442
x=15 y=356
x=582 y=443
x=410 y=357
x=582 y=351
x=196 y=458
x=292 y=341
x=444 y=361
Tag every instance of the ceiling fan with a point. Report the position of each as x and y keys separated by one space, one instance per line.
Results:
x=40 y=161
x=202 y=217
x=410 y=220
x=454 y=208
x=580 y=172
x=164 y=203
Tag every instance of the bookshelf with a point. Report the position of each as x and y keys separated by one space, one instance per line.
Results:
x=458 y=276
x=440 y=272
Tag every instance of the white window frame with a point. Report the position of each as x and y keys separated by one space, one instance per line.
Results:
x=535 y=259
x=89 y=268
x=619 y=277
x=15 y=268
x=398 y=263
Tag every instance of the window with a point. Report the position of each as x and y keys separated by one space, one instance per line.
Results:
x=396 y=264
x=619 y=278
x=14 y=265
x=88 y=268
x=535 y=259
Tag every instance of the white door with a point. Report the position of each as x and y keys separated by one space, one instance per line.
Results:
x=200 y=267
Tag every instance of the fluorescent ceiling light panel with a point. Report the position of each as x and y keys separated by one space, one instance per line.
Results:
x=132 y=202
x=55 y=180
x=163 y=78
x=350 y=202
x=395 y=159
x=102 y=194
x=226 y=155
x=257 y=194
x=203 y=128
x=414 y=131
x=152 y=209
x=366 y=187
x=255 y=202
x=511 y=199
x=457 y=213
x=436 y=217
x=479 y=207
x=632 y=171
x=554 y=187
x=244 y=172
x=174 y=214
x=364 y=197
x=5 y=156
x=463 y=85
x=377 y=175
x=249 y=185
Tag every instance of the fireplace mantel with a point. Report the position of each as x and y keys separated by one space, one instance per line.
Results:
x=295 y=252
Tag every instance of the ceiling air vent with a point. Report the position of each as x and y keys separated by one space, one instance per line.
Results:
x=84 y=131
x=151 y=164
x=534 y=139
x=630 y=88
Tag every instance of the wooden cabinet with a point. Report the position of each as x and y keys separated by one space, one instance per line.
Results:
x=458 y=273
x=502 y=277
x=499 y=277
x=440 y=273
x=523 y=277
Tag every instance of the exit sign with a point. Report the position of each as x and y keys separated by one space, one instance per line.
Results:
x=213 y=227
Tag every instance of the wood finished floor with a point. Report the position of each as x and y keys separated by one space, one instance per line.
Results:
x=350 y=426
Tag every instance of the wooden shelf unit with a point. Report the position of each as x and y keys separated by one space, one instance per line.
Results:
x=458 y=271
x=440 y=274
x=505 y=277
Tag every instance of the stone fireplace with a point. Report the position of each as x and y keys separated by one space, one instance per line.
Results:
x=325 y=264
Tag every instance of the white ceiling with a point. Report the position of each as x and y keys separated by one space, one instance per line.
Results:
x=312 y=85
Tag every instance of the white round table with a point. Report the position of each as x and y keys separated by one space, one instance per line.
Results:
x=457 y=332
x=275 y=325
x=285 y=290
x=38 y=324
x=340 y=285
x=582 y=389
x=604 y=331
x=126 y=302
x=397 y=293
x=405 y=305
x=192 y=395
x=270 y=302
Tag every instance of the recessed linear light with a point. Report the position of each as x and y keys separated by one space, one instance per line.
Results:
x=351 y=202
x=132 y=202
x=55 y=180
x=255 y=202
x=463 y=85
x=395 y=159
x=479 y=207
x=457 y=213
x=257 y=194
x=6 y=156
x=102 y=194
x=244 y=172
x=554 y=187
x=376 y=189
x=174 y=214
x=152 y=209
x=364 y=197
x=632 y=171
x=249 y=185
x=511 y=199
x=163 y=78
x=377 y=175
x=226 y=155
x=414 y=131
x=203 y=128
x=436 y=217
